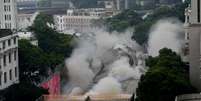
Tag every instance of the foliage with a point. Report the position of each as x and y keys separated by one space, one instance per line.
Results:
x=122 y=21
x=141 y=33
x=22 y=92
x=49 y=40
x=129 y=18
x=34 y=62
x=166 y=78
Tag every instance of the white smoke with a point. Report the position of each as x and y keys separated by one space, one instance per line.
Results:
x=108 y=85
x=99 y=56
x=165 y=34
x=78 y=66
x=121 y=70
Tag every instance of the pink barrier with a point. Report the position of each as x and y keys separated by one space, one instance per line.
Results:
x=53 y=85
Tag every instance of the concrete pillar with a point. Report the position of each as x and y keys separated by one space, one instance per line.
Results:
x=118 y=4
x=126 y=4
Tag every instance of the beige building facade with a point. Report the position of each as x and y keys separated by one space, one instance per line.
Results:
x=8 y=13
x=9 y=72
x=193 y=41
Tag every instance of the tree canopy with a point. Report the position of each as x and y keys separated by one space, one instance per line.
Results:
x=53 y=48
x=34 y=62
x=49 y=40
x=166 y=78
x=129 y=18
x=141 y=33
x=122 y=21
x=22 y=92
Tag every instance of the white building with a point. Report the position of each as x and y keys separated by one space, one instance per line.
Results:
x=8 y=13
x=8 y=59
x=75 y=22
x=81 y=20
x=193 y=41
x=28 y=36
x=25 y=20
x=115 y=4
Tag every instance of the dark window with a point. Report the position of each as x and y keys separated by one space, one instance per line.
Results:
x=15 y=55
x=9 y=42
x=10 y=60
x=198 y=5
x=0 y=81
x=15 y=71
x=14 y=40
x=4 y=60
x=10 y=74
x=4 y=45
x=5 y=8
x=5 y=77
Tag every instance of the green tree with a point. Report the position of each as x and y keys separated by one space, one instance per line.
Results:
x=34 y=62
x=49 y=40
x=166 y=78
x=122 y=21
x=22 y=92
x=141 y=33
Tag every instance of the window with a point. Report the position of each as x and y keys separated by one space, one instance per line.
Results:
x=4 y=45
x=15 y=71
x=9 y=17
x=0 y=80
x=6 y=1
x=9 y=42
x=9 y=9
x=10 y=74
x=14 y=40
x=5 y=8
x=10 y=59
x=15 y=55
x=4 y=60
x=199 y=9
x=5 y=77
x=5 y=16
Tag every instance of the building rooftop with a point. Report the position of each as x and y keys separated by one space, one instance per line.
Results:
x=5 y=32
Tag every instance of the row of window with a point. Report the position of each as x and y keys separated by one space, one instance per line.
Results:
x=5 y=76
x=76 y=20
x=10 y=58
x=7 y=8
x=6 y=1
x=9 y=42
x=8 y=26
x=76 y=25
x=7 y=17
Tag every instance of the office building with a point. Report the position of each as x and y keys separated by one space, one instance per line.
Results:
x=9 y=72
x=8 y=13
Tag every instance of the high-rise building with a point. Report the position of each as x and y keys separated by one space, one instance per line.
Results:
x=8 y=13
x=147 y=4
x=169 y=1
x=122 y=4
x=26 y=5
x=193 y=39
x=8 y=58
x=116 y=4
x=60 y=4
